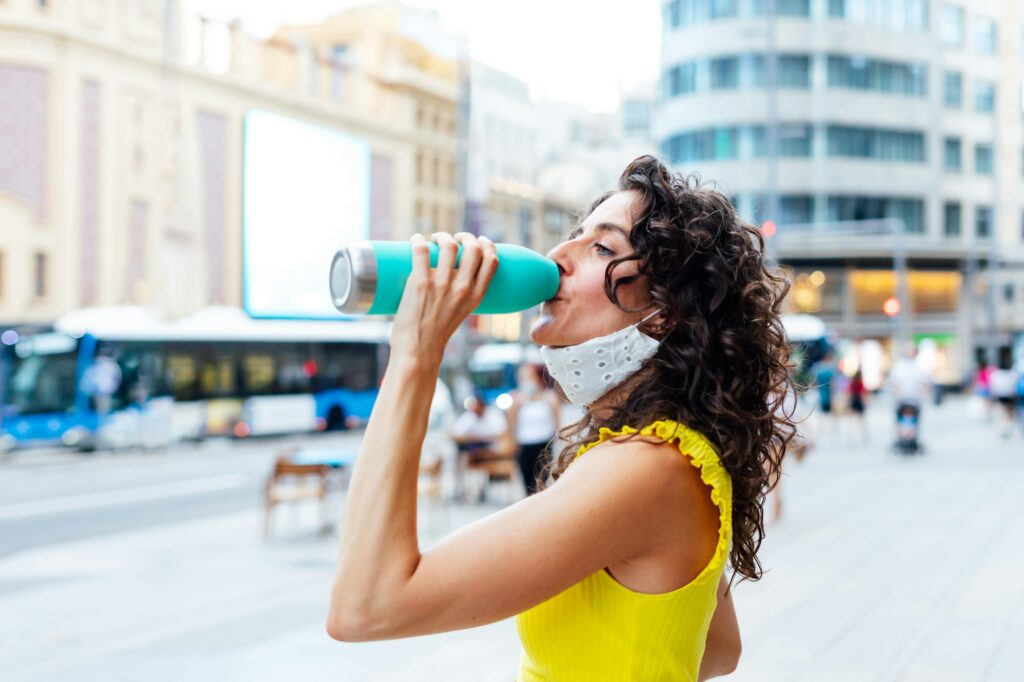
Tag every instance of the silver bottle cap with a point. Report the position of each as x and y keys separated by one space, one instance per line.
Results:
x=354 y=278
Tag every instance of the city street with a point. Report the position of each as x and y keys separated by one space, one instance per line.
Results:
x=151 y=566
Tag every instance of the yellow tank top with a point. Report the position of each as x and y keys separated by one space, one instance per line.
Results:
x=599 y=629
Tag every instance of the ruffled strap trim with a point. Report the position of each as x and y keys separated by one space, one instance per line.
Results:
x=702 y=455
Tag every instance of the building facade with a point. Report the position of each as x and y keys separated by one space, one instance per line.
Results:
x=879 y=142
x=121 y=146
x=413 y=76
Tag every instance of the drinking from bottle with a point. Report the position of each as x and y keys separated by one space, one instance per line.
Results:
x=369 y=276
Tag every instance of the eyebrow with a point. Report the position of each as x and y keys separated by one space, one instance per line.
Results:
x=612 y=227
x=602 y=227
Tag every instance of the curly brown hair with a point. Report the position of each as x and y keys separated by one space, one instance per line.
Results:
x=722 y=367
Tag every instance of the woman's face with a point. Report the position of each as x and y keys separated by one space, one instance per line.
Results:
x=581 y=310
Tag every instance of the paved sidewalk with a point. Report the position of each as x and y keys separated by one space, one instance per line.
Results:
x=883 y=568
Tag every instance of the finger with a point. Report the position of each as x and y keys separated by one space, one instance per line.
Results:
x=469 y=262
x=448 y=253
x=420 y=255
x=488 y=266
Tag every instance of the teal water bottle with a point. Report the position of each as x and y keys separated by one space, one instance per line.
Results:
x=368 y=277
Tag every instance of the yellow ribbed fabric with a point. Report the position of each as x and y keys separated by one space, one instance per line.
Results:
x=599 y=630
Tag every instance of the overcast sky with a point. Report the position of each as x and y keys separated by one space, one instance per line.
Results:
x=578 y=51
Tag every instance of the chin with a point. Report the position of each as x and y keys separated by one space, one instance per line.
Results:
x=543 y=332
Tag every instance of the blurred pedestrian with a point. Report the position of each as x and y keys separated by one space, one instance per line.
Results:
x=1003 y=388
x=794 y=408
x=478 y=433
x=823 y=374
x=533 y=418
x=1020 y=395
x=982 y=385
x=910 y=387
x=857 y=403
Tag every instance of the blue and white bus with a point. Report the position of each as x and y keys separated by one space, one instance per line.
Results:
x=121 y=377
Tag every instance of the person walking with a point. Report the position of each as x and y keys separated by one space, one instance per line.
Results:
x=665 y=330
x=857 y=404
x=1003 y=389
x=823 y=374
x=533 y=418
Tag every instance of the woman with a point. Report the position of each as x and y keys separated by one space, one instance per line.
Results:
x=533 y=417
x=666 y=329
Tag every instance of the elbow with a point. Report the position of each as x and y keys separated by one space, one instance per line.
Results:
x=361 y=625
x=344 y=626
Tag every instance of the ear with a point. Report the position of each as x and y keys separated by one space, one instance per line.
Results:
x=657 y=326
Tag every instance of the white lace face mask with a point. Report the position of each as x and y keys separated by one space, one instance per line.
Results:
x=590 y=369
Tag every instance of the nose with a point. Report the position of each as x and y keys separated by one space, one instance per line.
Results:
x=561 y=254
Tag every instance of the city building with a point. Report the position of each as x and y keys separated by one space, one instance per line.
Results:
x=413 y=76
x=121 y=143
x=870 y=139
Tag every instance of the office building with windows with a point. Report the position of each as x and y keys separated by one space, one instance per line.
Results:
x=870 y=138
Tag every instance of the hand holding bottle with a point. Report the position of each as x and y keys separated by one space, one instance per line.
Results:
x=437 y=300
x=367 y=278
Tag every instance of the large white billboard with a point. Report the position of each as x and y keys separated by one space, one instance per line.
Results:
x=306 y=191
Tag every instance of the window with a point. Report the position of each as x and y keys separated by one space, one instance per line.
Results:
x=985 y=34
x=42 y=380
x=39 y=280
x=796 y=140
x=873 y=143
x=796 y=209
x=844 y=207
x=735 y=142
x=951 y=213
x=337 y=64
x=952 y=89
x=951 y=154
x=1008 y=293
x=725 y=73
x=984 y=96
x=793 y=8
x=794 y=71
x=861 y=73
x=735 y=71
x=951 y=25
x=720 y=9
x=983 y=159
x=905 y=16
x=982 y=221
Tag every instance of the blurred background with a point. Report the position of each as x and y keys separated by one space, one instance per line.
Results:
x=181 y=405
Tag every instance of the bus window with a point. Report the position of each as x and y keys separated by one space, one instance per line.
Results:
x=41 y=381
x=181 y=373
x=257 y=370
x=140 y=366
x=217 y=378
x=349 y=365
x=293 y=368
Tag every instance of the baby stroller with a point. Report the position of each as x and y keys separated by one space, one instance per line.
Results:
x=908 y=421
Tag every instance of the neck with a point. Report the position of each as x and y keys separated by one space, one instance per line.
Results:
x=603 y=408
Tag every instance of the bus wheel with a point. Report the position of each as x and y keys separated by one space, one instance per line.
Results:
x=336 y=419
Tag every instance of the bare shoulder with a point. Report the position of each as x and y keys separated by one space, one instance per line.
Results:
x=644 y=465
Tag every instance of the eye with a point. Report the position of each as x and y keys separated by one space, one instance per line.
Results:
x=603 y=250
